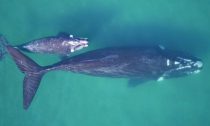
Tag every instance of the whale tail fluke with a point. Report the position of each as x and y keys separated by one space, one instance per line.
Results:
x=33 y=74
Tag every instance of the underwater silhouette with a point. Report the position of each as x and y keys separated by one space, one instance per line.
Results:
x=138 y=64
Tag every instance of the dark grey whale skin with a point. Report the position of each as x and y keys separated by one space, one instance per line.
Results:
x=135 y=63
x=148 y=63
x=116 y=62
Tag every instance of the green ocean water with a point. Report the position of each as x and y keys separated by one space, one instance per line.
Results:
x=68 y=99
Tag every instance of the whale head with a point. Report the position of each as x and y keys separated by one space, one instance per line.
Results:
x=75 y=44
x=180 y=64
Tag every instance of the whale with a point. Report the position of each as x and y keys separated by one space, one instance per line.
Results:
x=62 y=44
x=137 y=64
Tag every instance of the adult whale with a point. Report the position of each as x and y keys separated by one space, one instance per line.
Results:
x=135 y=63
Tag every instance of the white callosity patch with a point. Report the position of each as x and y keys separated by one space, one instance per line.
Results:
x=198 y=64
x=71 y=36
x=72 y=50
x=188 y=60
x=160 y=78
x=183 y=67
x=176 y=63
x=197 y=71
x=168 y=62
x=188 y=63
x=194 y=72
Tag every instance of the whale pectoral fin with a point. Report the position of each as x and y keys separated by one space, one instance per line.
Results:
x=135 y=82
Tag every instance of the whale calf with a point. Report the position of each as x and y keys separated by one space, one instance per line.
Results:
x=134 y=63
x=62 y=44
